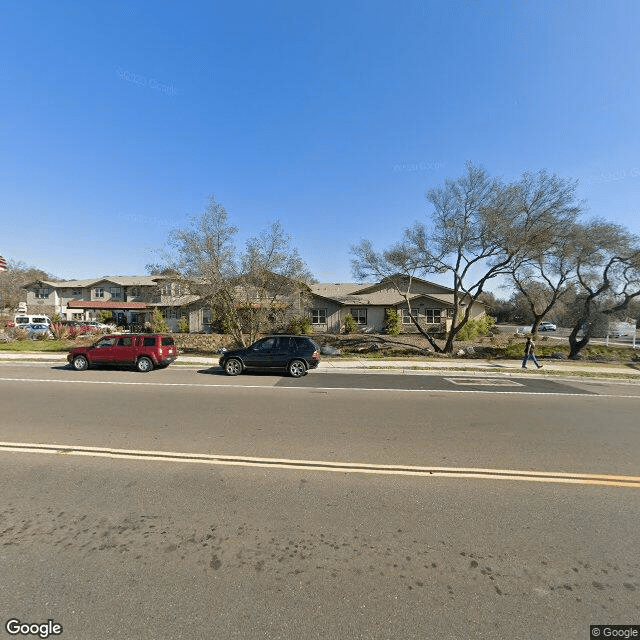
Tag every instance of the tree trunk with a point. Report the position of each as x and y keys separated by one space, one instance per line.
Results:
x=575 y=345
x=431 y=341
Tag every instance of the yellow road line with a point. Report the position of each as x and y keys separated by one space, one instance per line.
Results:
x=321 y=465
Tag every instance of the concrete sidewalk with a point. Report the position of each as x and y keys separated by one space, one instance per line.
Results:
x=406 y=366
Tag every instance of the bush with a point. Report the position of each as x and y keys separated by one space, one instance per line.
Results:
x=300 y=325
x=476 y=327
x=106 y=317
x=59 y=331
x=20 y=334
x=183 y=324
x=393 y=322
x=158 y=323
x=350 y=325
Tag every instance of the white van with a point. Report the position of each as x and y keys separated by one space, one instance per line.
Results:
x=23 y=318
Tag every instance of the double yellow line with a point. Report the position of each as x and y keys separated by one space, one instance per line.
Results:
x=320 y=465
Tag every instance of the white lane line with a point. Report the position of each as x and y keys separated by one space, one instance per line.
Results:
x=351 y=389
x=322 y=465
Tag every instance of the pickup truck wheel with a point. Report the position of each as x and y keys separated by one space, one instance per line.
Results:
x=80 y=363
x=144 y=364
x=297 y=368
x=233 y=367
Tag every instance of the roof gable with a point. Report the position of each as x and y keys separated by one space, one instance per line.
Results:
x=418 y=286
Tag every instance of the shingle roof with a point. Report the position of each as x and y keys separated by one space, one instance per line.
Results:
x=334 y=290
x=124 y=281
x=104 y=304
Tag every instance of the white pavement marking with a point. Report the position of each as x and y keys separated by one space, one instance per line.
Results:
x=321 y=465
x=285 y=388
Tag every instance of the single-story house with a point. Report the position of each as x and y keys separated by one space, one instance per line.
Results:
x=431 y=303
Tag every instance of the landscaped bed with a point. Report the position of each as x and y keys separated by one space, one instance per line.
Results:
x=373 y=346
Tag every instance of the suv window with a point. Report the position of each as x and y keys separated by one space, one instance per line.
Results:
x=166 y=341
x=305 y=343
x=265 y=344
x=149 y=342
x=125 y=341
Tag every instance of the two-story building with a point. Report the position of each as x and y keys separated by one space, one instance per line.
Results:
x=130 y=299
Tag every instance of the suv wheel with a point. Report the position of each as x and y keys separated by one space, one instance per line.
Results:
x=80 y=363
x=297 y=368
x=233 y=366
x=144 y=364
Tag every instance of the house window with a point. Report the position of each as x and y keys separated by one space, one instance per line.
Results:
x=318 y=316
x=359 y=315
x=433 y=316
x=77 y=316
x=99 y=292
x=42 y=293
x=172 y=313
x=76 y=292
x=133 y=291
x=406 y=318
x=116 y=293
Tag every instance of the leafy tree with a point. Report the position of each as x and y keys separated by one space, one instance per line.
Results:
x=501 y=310
x=478 y=230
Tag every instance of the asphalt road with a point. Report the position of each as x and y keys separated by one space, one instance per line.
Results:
x=335 y=506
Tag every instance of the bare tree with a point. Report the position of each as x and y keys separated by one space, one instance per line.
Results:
x=544 y=279
x=478 y=230
x=608 y=275
x=398 y=268
x=249 y=290
x=12 y=283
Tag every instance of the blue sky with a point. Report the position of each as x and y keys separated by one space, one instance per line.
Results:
x=118 y=120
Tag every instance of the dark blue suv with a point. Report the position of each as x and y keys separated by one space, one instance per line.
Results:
x=294 y=354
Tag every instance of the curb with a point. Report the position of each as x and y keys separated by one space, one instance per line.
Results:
x=552 y=369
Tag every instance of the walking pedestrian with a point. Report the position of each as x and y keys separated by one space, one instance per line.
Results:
x=529 y=354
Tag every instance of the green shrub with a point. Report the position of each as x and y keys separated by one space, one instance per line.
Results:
x=393 y=322
x=106 y=317
x=158 y=323
x=350 y=325
x=183 y=324
x=476 y=327
x=300 y=325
